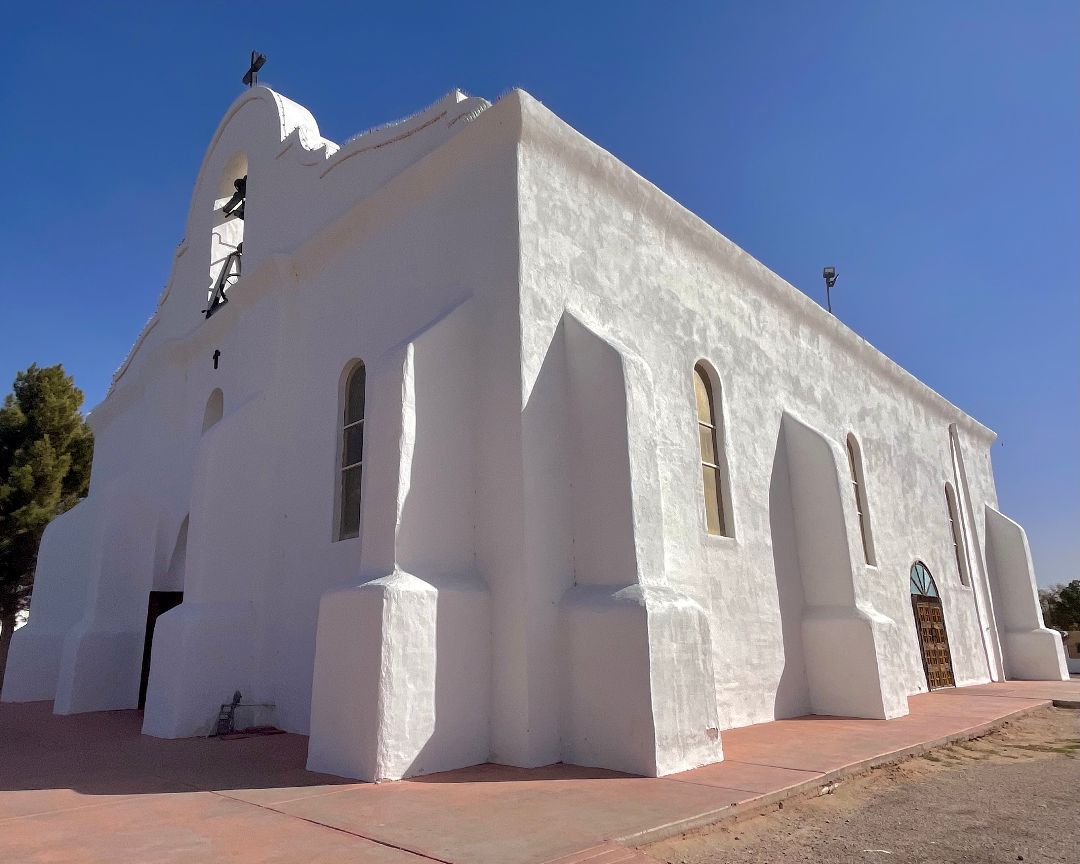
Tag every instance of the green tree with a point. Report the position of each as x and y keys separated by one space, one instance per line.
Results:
x=1061 y=605
x=45 y=452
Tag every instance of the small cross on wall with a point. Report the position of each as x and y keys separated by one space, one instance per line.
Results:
x=217 y=356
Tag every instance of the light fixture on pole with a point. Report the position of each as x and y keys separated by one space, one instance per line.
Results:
x=829 y=274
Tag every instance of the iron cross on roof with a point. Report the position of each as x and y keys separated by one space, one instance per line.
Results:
x=251 y=77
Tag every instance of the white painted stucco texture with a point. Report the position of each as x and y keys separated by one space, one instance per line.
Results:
x=532 y=580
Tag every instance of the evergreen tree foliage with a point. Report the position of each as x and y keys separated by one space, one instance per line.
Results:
x=46 y=449
x=1061 y=605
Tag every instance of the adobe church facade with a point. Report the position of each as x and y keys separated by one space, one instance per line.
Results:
x=462 y=442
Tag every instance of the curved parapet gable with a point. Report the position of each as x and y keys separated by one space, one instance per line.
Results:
x=295 y=140
x=299 y=182
x=293 y=121
x=453 y=107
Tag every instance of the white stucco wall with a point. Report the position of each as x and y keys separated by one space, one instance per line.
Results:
x=60 y=595
x=603 y=242
x=533 y=581
x=260 y=553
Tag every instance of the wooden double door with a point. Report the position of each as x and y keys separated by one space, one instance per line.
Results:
x=930 y=625
x=934 y=642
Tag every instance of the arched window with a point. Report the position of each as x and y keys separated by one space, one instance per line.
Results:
x=711 y=444
x=215 y=408
x=922 y=583
x=957 y=537
x=858 y=483
x=352 y=453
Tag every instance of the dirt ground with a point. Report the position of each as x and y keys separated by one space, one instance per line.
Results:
x=1013 y=795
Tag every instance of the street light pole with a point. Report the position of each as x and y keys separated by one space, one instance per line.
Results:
x=829 y=274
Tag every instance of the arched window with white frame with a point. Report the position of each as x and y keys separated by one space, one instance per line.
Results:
x=351 y=466
x=858 y=483
x=711 y=444
x=956 y=534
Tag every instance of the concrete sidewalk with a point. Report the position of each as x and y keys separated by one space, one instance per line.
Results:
x=90 y=788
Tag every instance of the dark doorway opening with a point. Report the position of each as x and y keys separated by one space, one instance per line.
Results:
x=930 y=625
x=160 y=602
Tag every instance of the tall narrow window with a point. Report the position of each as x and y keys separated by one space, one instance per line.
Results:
x=710 y=441
x=859 y=485
x=957 y=537
x=352 y=454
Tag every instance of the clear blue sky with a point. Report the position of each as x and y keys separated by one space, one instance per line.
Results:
x=928 y=150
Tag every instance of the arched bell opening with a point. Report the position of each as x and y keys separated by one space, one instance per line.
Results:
x=227 y=232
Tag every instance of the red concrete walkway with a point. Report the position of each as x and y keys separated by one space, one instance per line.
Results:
x=90 y=788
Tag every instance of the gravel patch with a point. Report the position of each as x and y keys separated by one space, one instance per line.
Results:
x=1012 y=795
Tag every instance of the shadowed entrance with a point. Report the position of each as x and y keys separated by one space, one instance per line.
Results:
x=160 y=602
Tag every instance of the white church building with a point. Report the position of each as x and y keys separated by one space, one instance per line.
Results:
x=462 y=442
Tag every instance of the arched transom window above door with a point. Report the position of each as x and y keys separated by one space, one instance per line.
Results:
x=922 y=583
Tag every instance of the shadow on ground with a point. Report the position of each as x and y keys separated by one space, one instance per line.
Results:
x=105 y=753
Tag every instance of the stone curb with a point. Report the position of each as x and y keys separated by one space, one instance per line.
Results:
x=761 y=802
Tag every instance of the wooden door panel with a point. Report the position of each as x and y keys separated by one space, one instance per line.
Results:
x=933 y=641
